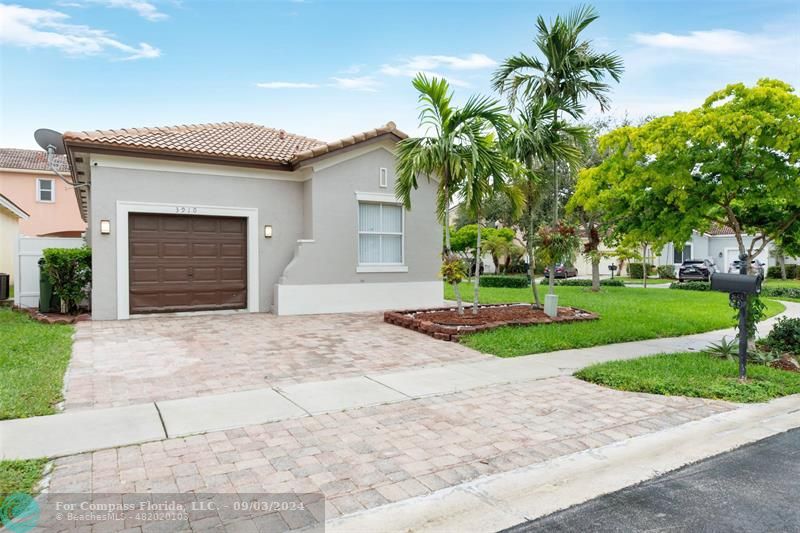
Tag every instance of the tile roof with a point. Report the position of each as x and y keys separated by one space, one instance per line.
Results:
x=226 y=140
x=717 y=230
x=30 y=159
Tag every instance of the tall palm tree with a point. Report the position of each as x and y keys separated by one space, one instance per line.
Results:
x=536 y=137
x=491 y=176
x=450 y=151
x=569 y=71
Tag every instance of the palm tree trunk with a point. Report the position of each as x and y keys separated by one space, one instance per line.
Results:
x=447 y=249
x=552 y=281
x=478 y=263
x=782 y=262
x=537 y=304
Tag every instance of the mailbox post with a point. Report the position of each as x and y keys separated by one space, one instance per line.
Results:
x=612 y=268
x=739 y=287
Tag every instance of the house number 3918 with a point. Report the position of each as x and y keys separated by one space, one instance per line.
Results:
x=186 y=210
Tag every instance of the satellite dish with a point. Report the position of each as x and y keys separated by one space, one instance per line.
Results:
x=48 y=139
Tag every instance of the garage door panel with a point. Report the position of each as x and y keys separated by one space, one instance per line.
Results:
x=187 y=263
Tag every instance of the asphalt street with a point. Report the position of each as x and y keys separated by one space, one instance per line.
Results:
x=755 y=488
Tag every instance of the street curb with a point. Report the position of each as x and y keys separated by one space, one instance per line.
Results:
x=503 y=500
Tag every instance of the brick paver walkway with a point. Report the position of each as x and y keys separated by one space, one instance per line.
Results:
x=367 y=457
x=119 y=363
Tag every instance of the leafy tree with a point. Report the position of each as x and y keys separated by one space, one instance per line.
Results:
x=733 y=161
x=568 y=71
x=450 y=151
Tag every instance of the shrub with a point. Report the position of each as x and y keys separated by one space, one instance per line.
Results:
x=778 y=292
x=453 y=270
x=785 y=336
x=635 y=270
x=512 y=282
x=792 y=272
x=585 y=282
x=70 y=272
x=691 y=286
x=724 y=349
x=666 y=271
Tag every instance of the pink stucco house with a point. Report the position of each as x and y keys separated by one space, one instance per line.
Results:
x=50 y=203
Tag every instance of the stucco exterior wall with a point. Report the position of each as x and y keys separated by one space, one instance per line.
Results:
x=333 y=256
x=9 y=232
x=45 y=217
x=279 y=203
x=721 y=249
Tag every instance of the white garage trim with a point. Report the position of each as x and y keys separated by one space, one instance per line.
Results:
x=123 y=272
x=355 y=297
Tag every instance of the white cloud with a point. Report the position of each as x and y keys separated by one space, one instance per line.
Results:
x=716 y=42
x=46 y=28
x=469 y=62
x=362 y=83
x=286 y=85
x=141 y=7
x=429 y=64
x=352 y=69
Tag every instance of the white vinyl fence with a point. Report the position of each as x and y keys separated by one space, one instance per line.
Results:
x=26 y=266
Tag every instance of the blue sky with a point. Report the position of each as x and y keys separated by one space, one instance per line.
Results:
x=328 y=69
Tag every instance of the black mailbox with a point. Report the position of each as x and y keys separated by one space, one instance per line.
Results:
x=736 y=283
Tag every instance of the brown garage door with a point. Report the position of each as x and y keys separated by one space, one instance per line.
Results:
x=187 y=263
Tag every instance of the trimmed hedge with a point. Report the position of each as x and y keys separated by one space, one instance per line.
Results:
x=691 y=286
x=792 y=272
x=778 y=292
x=584 y=282
x=635 y=270
x=509 y=282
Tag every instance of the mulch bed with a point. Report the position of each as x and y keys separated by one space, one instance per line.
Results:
x=53 y=318
x=446 y=324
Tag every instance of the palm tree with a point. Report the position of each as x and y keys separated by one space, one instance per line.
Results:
x=488 y=178
x=569 y=71
x=536 y=137
x=451 y=149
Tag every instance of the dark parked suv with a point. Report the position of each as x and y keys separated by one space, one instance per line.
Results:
x=696 y=270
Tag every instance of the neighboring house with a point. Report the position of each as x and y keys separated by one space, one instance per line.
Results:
x=718 y=245
x=51 y=204
x=10 y=217
x=241 y=216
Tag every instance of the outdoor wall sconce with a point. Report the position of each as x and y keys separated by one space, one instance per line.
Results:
x=267 y=231
x=105 y=227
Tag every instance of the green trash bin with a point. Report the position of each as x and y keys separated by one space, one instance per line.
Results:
x=48 y=301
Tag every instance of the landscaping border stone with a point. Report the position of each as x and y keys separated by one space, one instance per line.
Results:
x=408 y=319
x=52 y=318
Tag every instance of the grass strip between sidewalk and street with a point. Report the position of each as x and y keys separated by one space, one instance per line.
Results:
x=693 y=374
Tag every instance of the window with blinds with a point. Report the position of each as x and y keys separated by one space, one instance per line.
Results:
x=380 y=234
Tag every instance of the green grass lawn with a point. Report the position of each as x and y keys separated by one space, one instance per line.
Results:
x=625 y=315
x=20 y=476
x=788 y=283
x=693 y=374
x=32 y=365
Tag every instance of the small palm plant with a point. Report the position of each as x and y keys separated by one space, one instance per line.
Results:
x=724 y=349
x=451 y=151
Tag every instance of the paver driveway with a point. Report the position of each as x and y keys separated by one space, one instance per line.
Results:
x=118 y=363
x=367 y=457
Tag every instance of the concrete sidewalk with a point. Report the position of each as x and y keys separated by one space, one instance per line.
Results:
x=81 y=431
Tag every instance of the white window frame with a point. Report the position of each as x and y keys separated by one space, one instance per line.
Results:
x=381 y=200
x=52 y=199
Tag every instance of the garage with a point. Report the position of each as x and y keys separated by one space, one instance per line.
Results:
x=186 y=262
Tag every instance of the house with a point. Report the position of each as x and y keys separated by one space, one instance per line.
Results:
x=718 y=245
x=26 y=179
x=11 y=215
x=241 y=216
